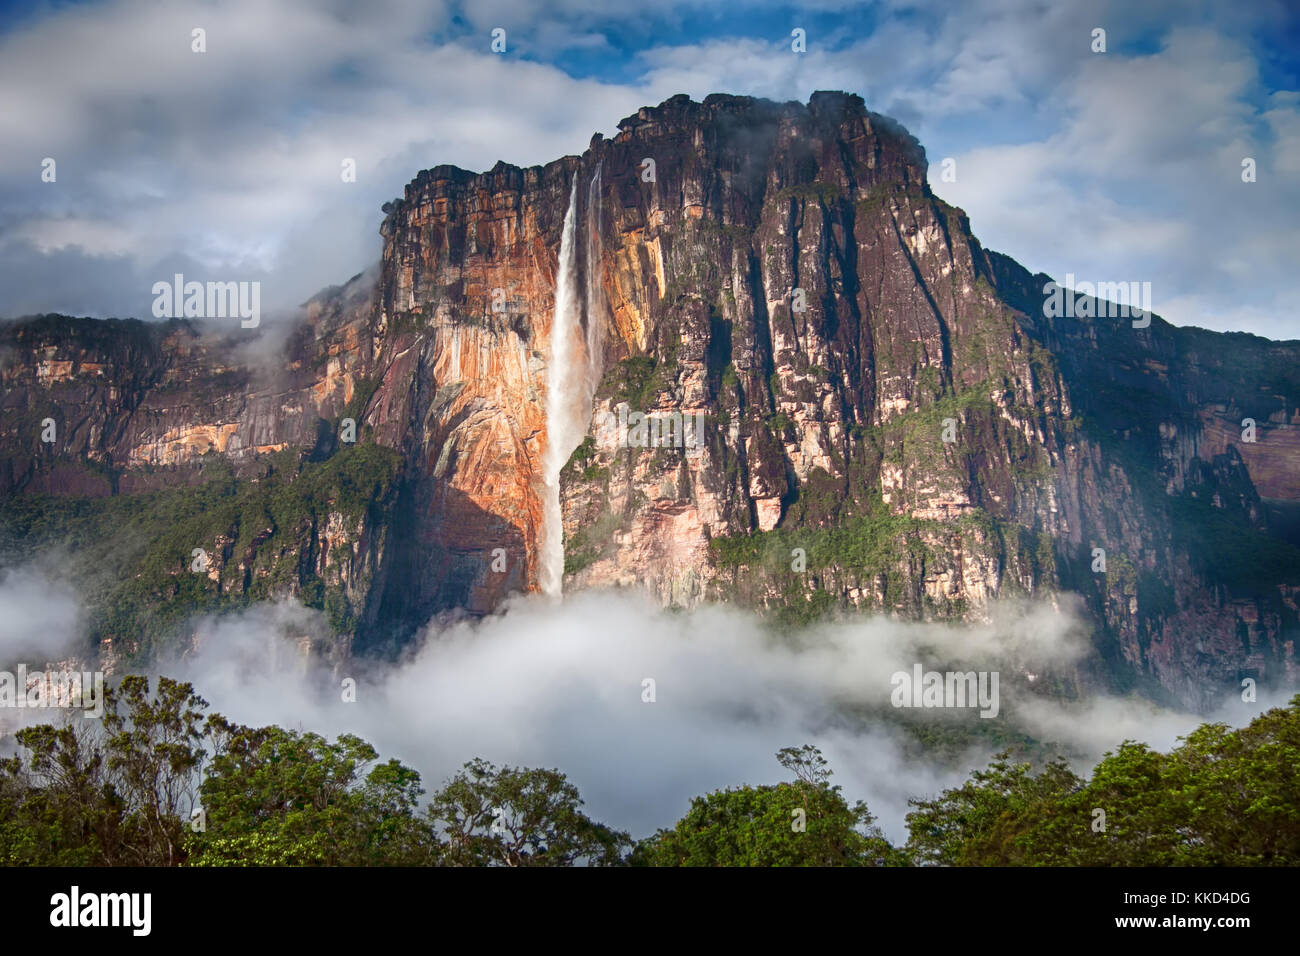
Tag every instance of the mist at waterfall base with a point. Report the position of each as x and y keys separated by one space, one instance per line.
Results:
x=547 y=683
x=559 y=683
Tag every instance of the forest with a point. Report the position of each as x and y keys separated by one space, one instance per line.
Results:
x=160 y=780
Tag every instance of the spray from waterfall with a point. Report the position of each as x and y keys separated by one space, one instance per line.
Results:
x=572 y=373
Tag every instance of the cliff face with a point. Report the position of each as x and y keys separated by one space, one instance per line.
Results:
x=888 y=419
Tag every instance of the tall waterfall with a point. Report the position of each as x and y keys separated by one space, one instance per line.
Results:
x=572 y=373
x=561 y=401
x=595 y=323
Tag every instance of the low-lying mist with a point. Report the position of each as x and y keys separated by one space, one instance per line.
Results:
x=563 y=684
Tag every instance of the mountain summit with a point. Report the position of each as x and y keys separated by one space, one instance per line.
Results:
x=792 y=379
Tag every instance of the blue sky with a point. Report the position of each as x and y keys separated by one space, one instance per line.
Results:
x=1115 y=166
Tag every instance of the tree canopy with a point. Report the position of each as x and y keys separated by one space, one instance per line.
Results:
x=160 y=782
x=806 y=822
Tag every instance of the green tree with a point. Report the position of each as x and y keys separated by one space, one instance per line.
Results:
x=804 y=823
x=519 y=817
x=1243 y=801
x=274 y=797
x=1223 y=797
x=114 y=792
x=154 y=744
x=981 y=822
x=56 y=808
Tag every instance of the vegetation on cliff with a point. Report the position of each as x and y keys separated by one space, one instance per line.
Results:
x=262 y=537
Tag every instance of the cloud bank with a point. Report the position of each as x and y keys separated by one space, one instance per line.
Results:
x=563 y=685
x=1117 y=166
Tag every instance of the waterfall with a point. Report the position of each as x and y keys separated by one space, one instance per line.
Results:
x=595 y=325
x=562 y=394
x=572 y=374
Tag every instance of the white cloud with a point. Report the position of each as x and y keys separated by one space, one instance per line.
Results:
x=40 y=616
x=95 y=237
x=1114 y=164
x=228 y=157
x=560 y=685
x=1142 y=181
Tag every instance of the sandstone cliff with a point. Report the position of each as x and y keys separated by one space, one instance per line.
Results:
x=889 y=420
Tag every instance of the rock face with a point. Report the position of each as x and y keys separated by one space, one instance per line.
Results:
x=818 y=391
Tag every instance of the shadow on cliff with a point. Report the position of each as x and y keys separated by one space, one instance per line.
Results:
x=448 y=558
x=1136 y=391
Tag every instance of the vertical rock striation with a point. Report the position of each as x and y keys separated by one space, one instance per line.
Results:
x=890 y=422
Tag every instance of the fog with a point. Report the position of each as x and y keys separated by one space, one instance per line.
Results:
x=40 y=615
x=561 y=684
